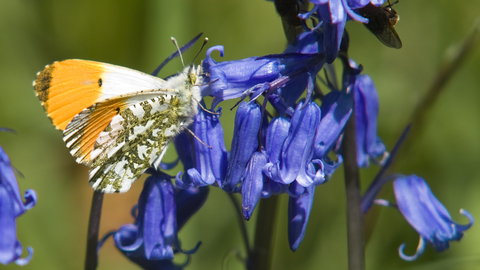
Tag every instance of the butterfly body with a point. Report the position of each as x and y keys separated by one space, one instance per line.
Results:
x=116 y=120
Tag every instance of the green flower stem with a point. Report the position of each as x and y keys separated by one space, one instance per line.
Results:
x=241 y=222
x=91 y=260
x=355 y=234
x=260 y=257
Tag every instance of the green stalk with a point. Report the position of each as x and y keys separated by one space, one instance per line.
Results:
x=260 y=257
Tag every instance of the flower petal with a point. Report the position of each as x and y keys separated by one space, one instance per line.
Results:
x=253 y=184
x=244 y=144
x=425 y=213
x=298 y=213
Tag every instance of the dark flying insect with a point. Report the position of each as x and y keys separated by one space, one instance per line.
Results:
x=381 y=23
x=288 y=11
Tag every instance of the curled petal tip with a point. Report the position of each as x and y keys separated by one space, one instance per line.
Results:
x=471 y=220
x=420 y=249
x=25 y=261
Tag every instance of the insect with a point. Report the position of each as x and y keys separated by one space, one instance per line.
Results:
x=117 y=120
x=381 y=23
x=288 y=11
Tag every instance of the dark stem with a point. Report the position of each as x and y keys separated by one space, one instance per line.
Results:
x=91 y=260
x=260 y=257
x=241 y=222
x=355 y=237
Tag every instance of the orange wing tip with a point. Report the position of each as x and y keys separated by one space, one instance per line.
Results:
x=67 y=87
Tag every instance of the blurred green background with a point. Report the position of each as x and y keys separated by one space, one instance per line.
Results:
x=136 y=34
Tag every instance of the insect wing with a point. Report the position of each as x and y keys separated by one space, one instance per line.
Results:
x=67 y=87
x=117 y=120
x=288 y=11
x=381 y=23
x=135 y=138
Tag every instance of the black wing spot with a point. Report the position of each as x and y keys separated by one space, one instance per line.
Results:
x=42 y=84
x=100 y=82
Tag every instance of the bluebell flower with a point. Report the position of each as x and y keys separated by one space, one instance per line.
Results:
x=256 y=75
x=295 y=161
x=152 y=240
x=126 y=240
x=333 y=15
x=244 y=144
x=188 y=202
x=299 y=208
x=427 y=215
x=252 y=185
x=210 y=155
x=310 y=42
x=337 y=106
x=369 y=145
x=11 y=207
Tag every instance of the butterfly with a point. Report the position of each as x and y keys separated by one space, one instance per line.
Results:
x=117 y=120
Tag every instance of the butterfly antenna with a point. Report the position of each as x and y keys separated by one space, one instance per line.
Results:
x=205 y=41
x=178 y=49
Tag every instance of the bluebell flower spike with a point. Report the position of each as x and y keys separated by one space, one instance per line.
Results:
x=426 y=214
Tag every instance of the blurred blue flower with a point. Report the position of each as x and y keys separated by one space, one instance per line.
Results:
x=11 y=207
x=152 y=240
x=427 y=215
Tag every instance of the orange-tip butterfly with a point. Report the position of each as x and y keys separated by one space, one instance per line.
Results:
x=117 y=120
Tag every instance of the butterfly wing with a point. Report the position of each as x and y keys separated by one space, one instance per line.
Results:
x=133 y=139
x=117 y=120
x=67 y=87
